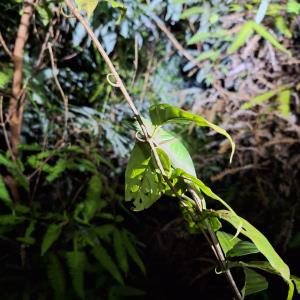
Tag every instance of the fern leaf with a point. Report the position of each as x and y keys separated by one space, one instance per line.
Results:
x=132 y=252
x=76 y=263
x=107 y=263
x=56 y=276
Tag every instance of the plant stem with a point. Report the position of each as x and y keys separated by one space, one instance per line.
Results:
x=16 y=105
x=119 y=83
x=217 y=248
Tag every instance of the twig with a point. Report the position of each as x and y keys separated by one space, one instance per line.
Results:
x=218 y=250
x=173 y=39
x=6 y=49
x=64 y=97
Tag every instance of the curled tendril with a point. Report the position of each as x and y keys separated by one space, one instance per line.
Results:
x=115 y=84
x=64 y=14
x=219 y=272
x=139 y=138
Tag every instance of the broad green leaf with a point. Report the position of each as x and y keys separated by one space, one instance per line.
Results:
x=165 y=113
x=260 y=241
x=242 y=37
x=142 y=184
x=107 y=262
x=88 y=6
x=52 y=234
x=164 y=159
x=56 y=277
x=296 y=281
x=267 y=267
x=284 y=98
x=254 y=282
x=76 y=262
x=4 y=195
x=227 y=241
x=120 y=251
x=195 y=10
x=243 y=248
x=262 y=98
x=174 y=148
x=132 y=252
x=262 y=10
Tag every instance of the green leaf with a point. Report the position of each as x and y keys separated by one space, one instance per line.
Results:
x=284 y=98
x=4 y=195
x=195 y=10
x=262 y=98
x=118 y=292
x=91 y=203
x=245 y=33
x=132 y=252
x=242 y=37
x=293 y=7
x=57 y=170
x=142 y=184
x=164 y=159
x=254 y=282
x=10 y=220
x=165 y=113
x=120 y=251
x=88 y=6
x=260 y=241
x=243 y=248
x=44 y=14
x=211 y=54
x=177 y=153
x=261 y=30
x=281 y=25
x=227 y=241
x=104 y=231
x=107 y=263
x=296 y=281
x=204 y=35
x=201 y=185
x=5 y=77
x=56 y=277
x=76 y=262
x=52 y=234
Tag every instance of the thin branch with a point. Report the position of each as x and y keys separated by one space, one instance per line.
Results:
x=119 y=83
x=5 y=47
x=15 y=108
x=64 y=97
x=218 y=250
x=160 y=24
